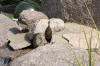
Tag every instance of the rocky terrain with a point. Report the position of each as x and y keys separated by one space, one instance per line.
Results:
x=30 y=48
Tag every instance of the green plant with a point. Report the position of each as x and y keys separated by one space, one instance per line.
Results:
x=6 y=2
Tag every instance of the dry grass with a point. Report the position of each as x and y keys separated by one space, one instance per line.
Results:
x=90 y=56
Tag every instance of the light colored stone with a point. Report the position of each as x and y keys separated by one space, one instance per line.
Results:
x=79 y=41
x=61 y=53
x=58 y=39
x=39 y=26
x=54 y=55
x=27 y=18
x=7 y=28
x=56 y=24
x=75 y=31
x=49 y=55
x=18 y=41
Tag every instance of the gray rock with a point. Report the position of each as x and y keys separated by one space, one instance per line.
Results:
x=74 y=32
x=7 y=28
x=39 y=26
x=50 y=55
x=56 y=24
x=6 y=52
x=27 y=18
x=72 y=10
x=39 y=40
x=61 y=53
x=79 y=40
x=19 y=41
x=37 y=31
x=58 y=39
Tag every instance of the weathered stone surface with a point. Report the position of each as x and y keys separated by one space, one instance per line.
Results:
x=58 y=39
x=49 y=55
x=60 y=53
x=73 y=10
x=79 y=40
x=39 y=26
x=6 y=52
x=53 y=55
x=39 y=40
x=7 y=28
x=27 y=18
x=19 y=41
x=73 y=32
x=56 y=24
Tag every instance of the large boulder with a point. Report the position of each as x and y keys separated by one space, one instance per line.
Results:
x=74 y=34
x=79 y=40
x=60 y=53
x=7 y=28
x=27 y=18
x=73 y=10
x=53 y=55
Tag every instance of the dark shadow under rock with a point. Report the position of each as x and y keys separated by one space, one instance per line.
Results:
x=25 y=31
x=15 y=30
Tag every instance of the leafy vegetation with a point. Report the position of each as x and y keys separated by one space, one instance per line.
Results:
x=6 y=2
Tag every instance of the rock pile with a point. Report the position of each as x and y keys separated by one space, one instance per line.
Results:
x=68 y=41
x=39 y=28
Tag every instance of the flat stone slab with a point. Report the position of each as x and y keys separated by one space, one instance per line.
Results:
x=18 y=41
